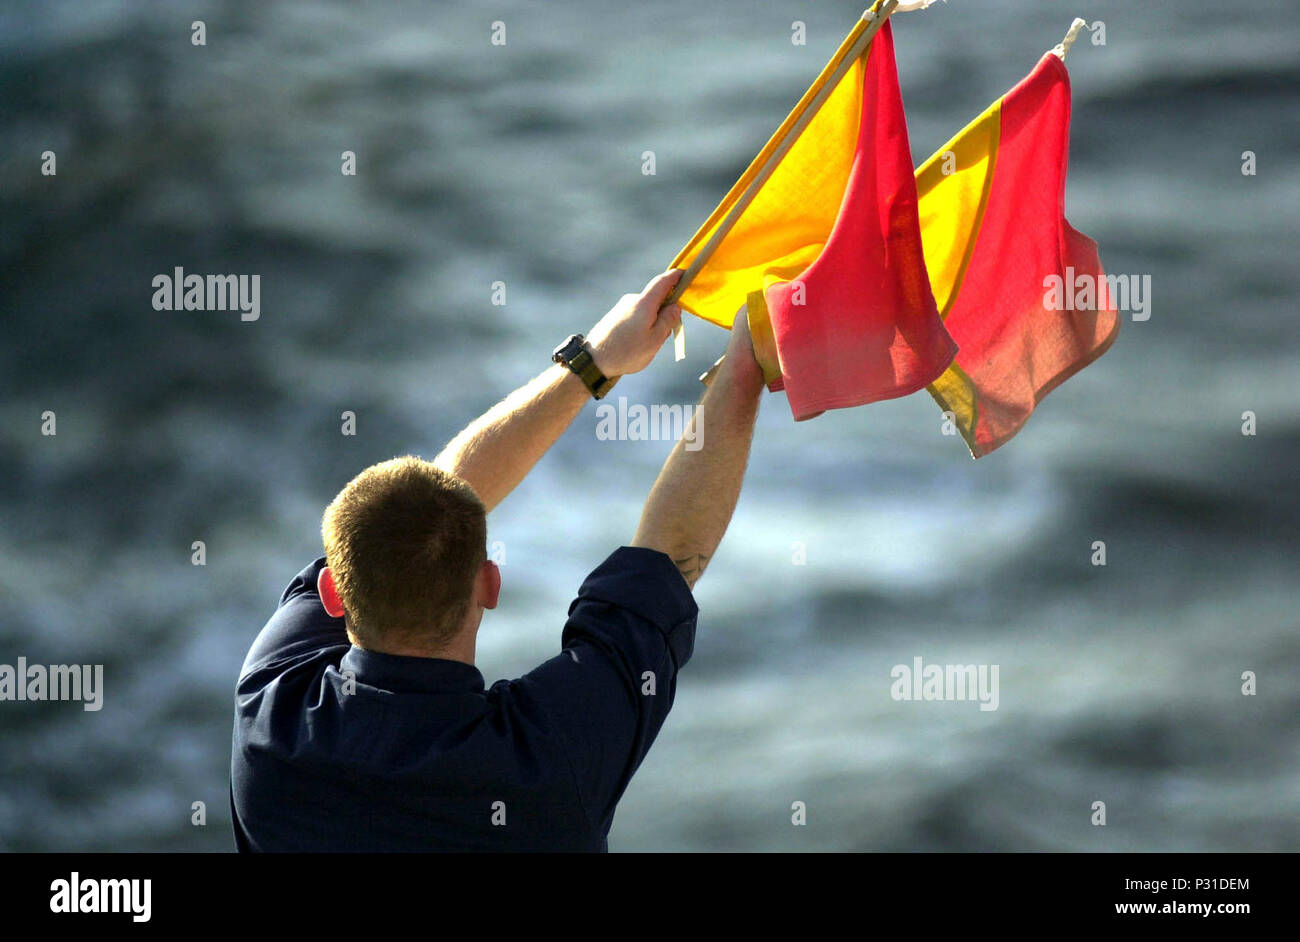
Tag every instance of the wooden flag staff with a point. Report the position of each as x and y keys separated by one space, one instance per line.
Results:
x=784 y=139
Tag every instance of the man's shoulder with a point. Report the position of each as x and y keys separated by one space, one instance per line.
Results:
x=298 y=629
x=304 y=583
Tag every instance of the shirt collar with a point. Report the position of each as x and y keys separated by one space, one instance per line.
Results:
x=403 y=674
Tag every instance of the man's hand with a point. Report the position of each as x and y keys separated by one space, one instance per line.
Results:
x=494 y=452
x=740 y=346
x=740 y=352
x=627 y=338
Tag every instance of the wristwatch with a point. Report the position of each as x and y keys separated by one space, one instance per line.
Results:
x=575 y=353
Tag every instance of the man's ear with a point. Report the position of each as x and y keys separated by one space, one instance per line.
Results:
x=329 y=593
x=489 y=589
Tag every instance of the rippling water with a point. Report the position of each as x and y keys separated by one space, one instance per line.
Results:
x=522 y=164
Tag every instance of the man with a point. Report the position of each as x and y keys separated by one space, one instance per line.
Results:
x=361 y=722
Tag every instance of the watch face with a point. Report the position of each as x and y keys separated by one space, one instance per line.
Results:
x=566 y=351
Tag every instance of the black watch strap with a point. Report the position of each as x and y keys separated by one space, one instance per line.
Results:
x=575 y=353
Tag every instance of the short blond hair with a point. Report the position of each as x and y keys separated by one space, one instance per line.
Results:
x=405 y=541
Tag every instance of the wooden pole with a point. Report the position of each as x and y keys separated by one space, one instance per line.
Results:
x=880 y=12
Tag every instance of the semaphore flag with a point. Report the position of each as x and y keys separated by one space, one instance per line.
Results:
x=864 y=282
x=828 y=254
x=992 y=209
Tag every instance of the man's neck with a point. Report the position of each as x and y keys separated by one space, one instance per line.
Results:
x=461 y=648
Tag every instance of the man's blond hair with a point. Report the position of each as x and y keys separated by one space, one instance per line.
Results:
x=405 y=541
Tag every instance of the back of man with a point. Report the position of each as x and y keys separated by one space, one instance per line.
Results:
x=361 y=720
x=339 y=748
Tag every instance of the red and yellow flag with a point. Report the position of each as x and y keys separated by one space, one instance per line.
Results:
x=866 y=282
x=828 y=255
x=993 y=224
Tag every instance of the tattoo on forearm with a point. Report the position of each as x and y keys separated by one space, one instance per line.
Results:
x=692 y=567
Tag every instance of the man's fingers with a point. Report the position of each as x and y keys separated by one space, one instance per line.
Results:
x=660 y=286
x=669 y=318
x=741 y=322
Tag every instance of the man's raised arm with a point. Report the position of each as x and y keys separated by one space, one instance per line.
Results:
x=496 y=451
x=691 y=503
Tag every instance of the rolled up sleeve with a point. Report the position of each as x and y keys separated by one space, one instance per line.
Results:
x=607 y=694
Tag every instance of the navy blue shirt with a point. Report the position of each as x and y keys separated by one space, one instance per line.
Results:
x=337 y=748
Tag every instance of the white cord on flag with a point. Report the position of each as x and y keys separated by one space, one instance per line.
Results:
x=904 y=6
x=679 y=342
x=1065 y=44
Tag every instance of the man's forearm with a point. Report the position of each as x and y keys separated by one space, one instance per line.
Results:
x=692 y=501
x=498 y=449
